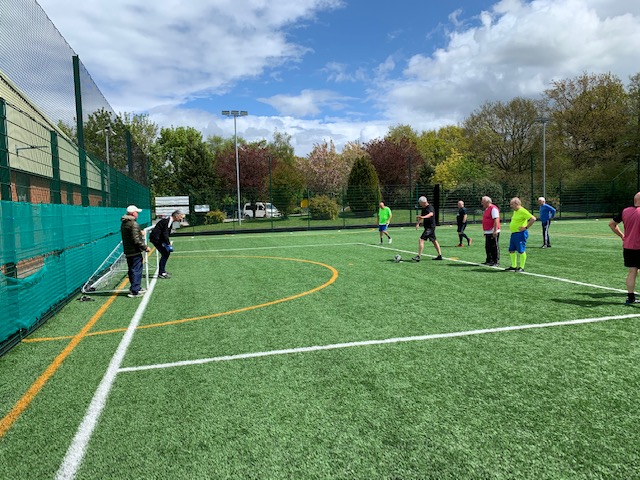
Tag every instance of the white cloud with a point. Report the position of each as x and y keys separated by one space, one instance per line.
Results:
x=167 y=52
x=307 y=103
x=156 y=55
x=517 y=50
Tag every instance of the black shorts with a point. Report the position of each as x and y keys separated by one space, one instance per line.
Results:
x=631 y=258
x=429 y=234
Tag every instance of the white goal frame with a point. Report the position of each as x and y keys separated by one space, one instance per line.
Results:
x=114 y=269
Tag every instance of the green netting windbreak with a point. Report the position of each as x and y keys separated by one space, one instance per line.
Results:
x=50 y=242
x=47 y=252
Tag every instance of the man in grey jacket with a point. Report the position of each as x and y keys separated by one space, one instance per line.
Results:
x=133 y=244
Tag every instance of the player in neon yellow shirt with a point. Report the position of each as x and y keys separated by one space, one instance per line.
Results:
x=384 y=218
x=521 y=220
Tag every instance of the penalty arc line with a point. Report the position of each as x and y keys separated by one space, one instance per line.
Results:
x=336 y=346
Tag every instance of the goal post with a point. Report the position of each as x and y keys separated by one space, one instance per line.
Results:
x=113 y=270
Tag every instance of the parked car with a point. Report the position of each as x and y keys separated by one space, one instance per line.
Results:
x=261 y=209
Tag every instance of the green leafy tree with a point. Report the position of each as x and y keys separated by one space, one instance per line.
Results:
x=503 y=135
x=281 y=148
x=182 y=164
x=632 y=141
x=287 y=186
x=587 y=114
x=458 y=169
x=363 y=191
x=397 y=133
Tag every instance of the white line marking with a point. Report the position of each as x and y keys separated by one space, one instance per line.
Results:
x=559 y=279
x=78 y=447
x=244 y=235
x=374 y=342
x=279 y=247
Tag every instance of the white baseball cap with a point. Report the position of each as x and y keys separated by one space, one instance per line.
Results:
x=133 y=208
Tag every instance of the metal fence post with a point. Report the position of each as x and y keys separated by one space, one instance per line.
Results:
x=56 y=196
x=5 y=169
x=82 y=154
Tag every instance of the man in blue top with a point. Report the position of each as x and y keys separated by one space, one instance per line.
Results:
x=547 y=212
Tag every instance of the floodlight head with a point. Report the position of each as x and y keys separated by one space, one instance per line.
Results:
x=243 y=113
x=226 y=112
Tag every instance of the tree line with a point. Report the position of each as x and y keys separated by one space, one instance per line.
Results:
x=591 y=126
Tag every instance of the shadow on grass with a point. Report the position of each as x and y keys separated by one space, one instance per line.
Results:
x=596 y=300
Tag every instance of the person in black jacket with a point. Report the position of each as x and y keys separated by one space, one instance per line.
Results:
x=160 y=239
x=133 y=245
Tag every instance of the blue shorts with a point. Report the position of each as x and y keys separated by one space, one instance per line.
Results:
x=382 y=228
x=518 y=241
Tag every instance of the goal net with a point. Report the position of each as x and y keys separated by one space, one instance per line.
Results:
x=110 y=274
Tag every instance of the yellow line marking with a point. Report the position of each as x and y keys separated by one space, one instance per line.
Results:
x=34 y=389
x=24 y=402
x=333 y=278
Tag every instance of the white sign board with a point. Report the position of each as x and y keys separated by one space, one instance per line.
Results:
x=167 y=211
x=201 y=208
x=172 y=201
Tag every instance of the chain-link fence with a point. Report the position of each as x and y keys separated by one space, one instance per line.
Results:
x=309 y=210
x=60 y=202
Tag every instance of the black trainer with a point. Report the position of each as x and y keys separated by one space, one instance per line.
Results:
x=510 y=269
x=439 y=257
x=416 y=258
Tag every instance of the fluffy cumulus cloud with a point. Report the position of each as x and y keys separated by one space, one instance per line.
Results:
x=168 y=51
x=162 y=56
x=516 y=49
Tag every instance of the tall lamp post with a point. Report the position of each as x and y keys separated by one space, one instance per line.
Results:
x=544 y=121
x=108 y=132
x=235 y=114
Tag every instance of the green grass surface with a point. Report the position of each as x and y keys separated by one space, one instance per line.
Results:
x=554 y=402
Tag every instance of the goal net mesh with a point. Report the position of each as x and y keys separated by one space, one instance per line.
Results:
x=113 y=271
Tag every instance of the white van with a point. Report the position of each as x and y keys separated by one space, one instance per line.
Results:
x=262 y=209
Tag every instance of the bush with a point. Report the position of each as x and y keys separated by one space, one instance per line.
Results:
x=323 y=208
x=213 y=217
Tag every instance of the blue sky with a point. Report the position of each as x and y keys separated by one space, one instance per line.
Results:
x=340 y=70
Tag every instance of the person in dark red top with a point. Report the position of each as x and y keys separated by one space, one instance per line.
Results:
x=630 y=219
x=491 y=229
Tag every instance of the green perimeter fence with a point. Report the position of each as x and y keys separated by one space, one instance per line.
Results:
x=60 y=211
x=317 y=210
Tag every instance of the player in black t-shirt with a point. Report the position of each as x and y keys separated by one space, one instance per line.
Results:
x=428 y=216
x=461 y=219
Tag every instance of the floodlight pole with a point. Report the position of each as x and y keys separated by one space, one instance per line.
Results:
x=544 y=121
x=235 y=114
x=107 y=132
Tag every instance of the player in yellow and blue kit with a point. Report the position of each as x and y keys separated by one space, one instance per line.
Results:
x=521 y=220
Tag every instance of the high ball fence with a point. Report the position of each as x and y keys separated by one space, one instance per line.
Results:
x=60 y=213
x=345 y=209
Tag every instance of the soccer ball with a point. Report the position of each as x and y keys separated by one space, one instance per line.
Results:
x=397 y=258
